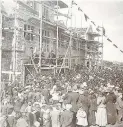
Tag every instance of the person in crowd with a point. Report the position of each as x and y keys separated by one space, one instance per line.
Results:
x=92 y=109
x=17 y=104
x=119 y=106
x=81 y=118
x=24 y=105
x=29 y=107
x=37 y=115
x=73 y=98
x=111 y=108
x=55 y=94
x=10 y=118
x=30 y=117
x=21 y=122
x=46 y=117
x=66 y=119
x=46 y=94
x=101 y=115
x=55 y=116
x=84 y=101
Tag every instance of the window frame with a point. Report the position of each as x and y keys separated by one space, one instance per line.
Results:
x=28 y=35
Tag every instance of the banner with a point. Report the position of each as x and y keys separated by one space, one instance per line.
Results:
x=109 y=40
x=86 y=17
x=79 y=9
x=73 y=3
x=99 y=28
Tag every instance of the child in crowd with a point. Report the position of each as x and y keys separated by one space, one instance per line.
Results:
x=21 y=122
x=81 y=118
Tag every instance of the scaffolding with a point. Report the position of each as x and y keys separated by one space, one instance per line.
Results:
x=54 y=64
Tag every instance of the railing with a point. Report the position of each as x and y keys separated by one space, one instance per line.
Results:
x=49 y=62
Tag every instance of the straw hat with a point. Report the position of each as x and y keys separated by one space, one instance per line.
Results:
x=84 y=84
x=68 y=106
x=37 y=124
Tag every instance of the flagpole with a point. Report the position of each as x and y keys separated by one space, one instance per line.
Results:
x=80 y=43
x=70 y=36
x=81 y=21
x=102 y=45
x=57 y=40
x=0 y=52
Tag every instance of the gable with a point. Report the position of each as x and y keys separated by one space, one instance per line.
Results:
x=90 y=29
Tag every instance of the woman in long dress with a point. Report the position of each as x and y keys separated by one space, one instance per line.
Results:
x=101 y=116
x=111 y=108
x=92 y=110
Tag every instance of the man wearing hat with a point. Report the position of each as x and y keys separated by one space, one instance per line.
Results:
x=46 y=94
x=73 y=97
x=55 y=116
x=67 y=117
x=10 y=118
x=84 y=100
x=119 y=106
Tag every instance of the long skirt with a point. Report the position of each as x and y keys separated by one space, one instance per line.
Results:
x=101 y=117
x=92 y=117
x=111 y=113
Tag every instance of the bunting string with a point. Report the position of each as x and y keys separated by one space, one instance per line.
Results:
x=98 y=28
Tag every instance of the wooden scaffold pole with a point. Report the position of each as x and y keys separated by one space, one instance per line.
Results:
x=70 y=39
x=57 y=40
x=14 y=42
x=0 y=51
x=40 y=43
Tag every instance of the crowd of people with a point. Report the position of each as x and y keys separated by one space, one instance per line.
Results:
x=76 y=98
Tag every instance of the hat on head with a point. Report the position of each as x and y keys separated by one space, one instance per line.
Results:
x=69 y=88
x=84 y=84
x=68 y=106
x=74 y=88
x=36 y=123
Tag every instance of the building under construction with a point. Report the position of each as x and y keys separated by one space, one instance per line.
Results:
x=34 y=39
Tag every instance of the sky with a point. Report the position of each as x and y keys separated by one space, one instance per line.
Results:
x=110 y=14
x=106 y=12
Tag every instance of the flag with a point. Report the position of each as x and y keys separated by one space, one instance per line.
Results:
x=73 y=3
x=79 y=9
x=121 y=51
x=115 y=46
x=86 y=17
x=93 y=23
x=103 y=30
x=109 y=39
x=98 y=29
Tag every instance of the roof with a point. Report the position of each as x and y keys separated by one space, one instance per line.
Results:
x=3 y=10
x=94 y=34
x=90 y=31
x=78 y=30
x=61 y=4
x=28 y=7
